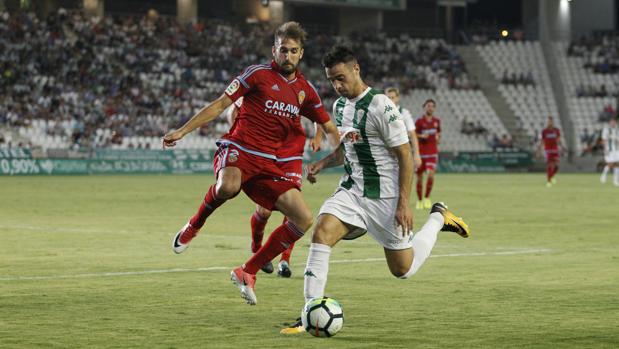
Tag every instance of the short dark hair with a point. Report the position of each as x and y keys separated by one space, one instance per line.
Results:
x=338 y=54
x=429 y=100
x=291 y=30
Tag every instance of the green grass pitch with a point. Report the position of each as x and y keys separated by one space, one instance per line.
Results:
x=86 y=262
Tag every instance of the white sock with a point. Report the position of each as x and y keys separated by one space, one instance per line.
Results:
x=604 y=173
x=316 y=271
x=424 y=241
x=616 y=175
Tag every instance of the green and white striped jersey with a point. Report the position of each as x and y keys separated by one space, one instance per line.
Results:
x=408 y=119
x=369 y=125
x=611 y=136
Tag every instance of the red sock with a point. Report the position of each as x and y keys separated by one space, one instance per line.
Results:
x=419 y=186
x=555 y=170
x=207 y=207
x=286 y=254
x=549 y=172
x=429 y=184
x=257 y=231
x=280 y=239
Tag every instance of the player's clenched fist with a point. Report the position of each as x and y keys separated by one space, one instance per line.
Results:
x=169 y=140
x=311 y=171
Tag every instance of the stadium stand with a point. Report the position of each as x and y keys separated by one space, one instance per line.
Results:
x=590 y=83
x=455 y=107
x=525 y=82
x=122 y=82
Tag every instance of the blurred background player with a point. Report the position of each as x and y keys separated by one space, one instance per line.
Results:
x=610 y=139
x=428 y=128
x=291 y=160
x=275 y=95
x=394 y=94
x=553 y=146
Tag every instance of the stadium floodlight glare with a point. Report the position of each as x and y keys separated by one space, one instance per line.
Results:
x=504 y=33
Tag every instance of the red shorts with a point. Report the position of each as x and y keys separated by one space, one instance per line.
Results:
x=293 y=170
x=428 y=162
x=262 y=179
x=552 y=157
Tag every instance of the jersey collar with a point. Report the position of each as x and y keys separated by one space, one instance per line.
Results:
x=365 y=92
x=277 y=69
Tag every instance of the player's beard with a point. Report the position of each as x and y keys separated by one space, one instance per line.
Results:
x=288 y=67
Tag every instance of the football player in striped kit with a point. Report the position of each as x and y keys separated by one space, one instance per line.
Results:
x=373 y=195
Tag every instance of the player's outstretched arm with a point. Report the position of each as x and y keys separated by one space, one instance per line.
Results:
x=319 y=134
x=540 y=149
x=404 y=215
x=415 y=145
x=333 y=136
x=336 y=158
x=205 y=115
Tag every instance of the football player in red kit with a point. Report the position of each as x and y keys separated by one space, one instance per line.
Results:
x=274 y=95
x=552 y=145
x=428 y=128
x=291 y=162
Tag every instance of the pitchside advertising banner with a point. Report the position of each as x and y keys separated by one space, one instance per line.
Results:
x=109 y=161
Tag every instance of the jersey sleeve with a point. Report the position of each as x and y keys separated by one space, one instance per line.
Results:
x=312 y=107
x=407 y=117
x=418 y=127
x=243 y=83
x=389 y=122
x=438 y=128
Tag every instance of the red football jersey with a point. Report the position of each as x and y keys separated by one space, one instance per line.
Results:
x=551 y=137
x=294 y=145
x=272 y=108
x=432 y=127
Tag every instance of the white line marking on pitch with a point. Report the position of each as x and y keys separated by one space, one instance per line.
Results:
x=186 y=270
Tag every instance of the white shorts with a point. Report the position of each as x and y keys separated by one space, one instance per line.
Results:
x=376 y=216
x=611 y=157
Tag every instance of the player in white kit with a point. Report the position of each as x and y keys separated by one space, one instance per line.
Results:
x=373 y=195
x=394 y=94
x=610 y=138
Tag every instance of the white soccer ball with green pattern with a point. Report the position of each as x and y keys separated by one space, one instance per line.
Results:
x=322 y=317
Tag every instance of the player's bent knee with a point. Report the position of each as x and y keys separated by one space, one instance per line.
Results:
x=263 y=212
x=303 y=221
x=306 y=223
x=405 y=274
x=227 y=190
x=321 y=236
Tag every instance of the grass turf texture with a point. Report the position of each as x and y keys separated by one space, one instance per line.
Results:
x=61 y=235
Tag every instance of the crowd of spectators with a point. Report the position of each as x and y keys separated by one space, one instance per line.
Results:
x=601 y=52
x=601 y=56
x=134 y=76
x=592 y=91
x=517 y=79
x=502 y=143
x=607 y=113
x=142 y=76
x=471 y=128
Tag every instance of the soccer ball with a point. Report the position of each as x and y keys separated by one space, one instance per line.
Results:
x=322 y=317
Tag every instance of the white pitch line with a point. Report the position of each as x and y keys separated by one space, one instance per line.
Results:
x=187 y=270
x=95 y=231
